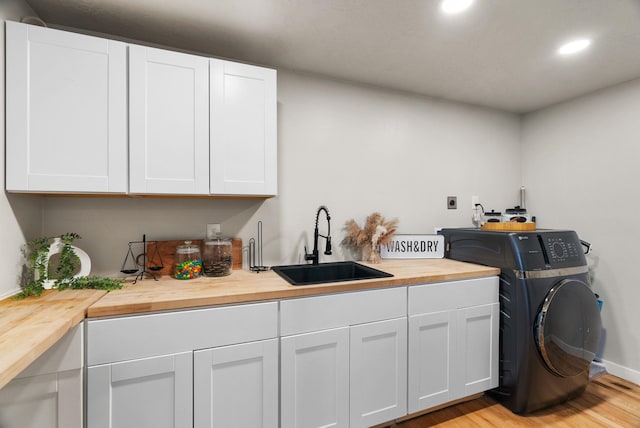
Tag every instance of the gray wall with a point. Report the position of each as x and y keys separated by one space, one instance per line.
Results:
x=20 y=216
x=580 y=164
x=353 y=148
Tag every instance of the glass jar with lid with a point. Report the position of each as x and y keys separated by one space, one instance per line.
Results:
x=217 y=256
x=188 y=261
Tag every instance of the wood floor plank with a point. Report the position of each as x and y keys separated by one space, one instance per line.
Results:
x=607 y=402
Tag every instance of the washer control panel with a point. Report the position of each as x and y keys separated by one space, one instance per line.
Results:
x=543 y=250
x=561 y=250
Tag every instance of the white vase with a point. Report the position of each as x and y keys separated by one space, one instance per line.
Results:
x=56 y=247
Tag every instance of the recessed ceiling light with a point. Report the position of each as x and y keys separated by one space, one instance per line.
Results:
x=574 y=46
x=455 y=6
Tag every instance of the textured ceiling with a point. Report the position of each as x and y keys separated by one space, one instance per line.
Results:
x=500 y=53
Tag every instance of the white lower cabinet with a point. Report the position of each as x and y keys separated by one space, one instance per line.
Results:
x=453 y=341
x=147 y=393
x=353 y=372
x=214 y=367
x=48 y=393
x=236 y=386
x=378 y=372
x=478 y=341
x=315 y=379
x=351 y=376
x=353 y=359
x=431 y=351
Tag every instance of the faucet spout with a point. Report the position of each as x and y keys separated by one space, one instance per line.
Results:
x=313 y=256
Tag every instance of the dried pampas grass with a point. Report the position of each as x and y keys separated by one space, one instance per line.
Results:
x=376 y=231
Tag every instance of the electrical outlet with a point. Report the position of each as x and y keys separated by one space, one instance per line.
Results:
x=213 y=229
x=452 y=202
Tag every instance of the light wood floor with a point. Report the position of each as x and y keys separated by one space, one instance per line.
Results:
x=608 y=402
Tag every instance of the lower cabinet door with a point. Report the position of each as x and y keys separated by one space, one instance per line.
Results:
x=236 y=386
x=146 y=393
x=43 y=401
x=378 y=372
x=432 y=344
x=315 y=379
x=478 y=348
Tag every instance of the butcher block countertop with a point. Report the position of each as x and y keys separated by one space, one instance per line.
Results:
x=31 y=326
x=245 y=286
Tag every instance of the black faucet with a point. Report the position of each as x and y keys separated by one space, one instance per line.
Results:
x=313 y=256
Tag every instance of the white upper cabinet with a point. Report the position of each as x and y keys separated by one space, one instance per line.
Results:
x=243 y=129
x=66 y=106
x=168 y=122
x=196 y=126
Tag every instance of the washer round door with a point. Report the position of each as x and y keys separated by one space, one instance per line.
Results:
x=568 y=328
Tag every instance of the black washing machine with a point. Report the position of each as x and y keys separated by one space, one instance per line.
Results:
x=549 y=317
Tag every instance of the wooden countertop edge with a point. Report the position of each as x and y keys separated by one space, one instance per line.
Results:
x=38 y=332
x=286 y=292
x=27 y=355
x=42 y=322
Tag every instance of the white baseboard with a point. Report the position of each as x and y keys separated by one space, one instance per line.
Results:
x=622 y=372
x=10 y=293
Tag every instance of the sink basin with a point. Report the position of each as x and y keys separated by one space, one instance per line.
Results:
x=327 y=272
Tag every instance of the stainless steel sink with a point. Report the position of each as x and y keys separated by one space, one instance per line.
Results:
x=328 y=272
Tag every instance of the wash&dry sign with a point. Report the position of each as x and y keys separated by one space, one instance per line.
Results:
x=414 y=247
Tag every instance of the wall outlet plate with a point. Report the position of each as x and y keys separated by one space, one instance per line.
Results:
x=213 y=229
x=452 y=202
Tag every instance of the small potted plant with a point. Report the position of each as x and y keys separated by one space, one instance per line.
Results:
x=66 y=272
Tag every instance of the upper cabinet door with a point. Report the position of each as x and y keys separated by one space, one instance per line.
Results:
x=243 y=129
x=66 y=109
x=168 y=122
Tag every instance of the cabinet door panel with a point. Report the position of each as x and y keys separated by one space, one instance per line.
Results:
x=43 y=401
x=237 y=386
x=478 y=348
x=66 y=115
x=315 y=379
x=444 y=296
x=307 y=314
x=243 y=129
x=48 y=393
x=149 y=393
x=432 y=344
x=141 y=336
x=378 y=372
x=169 y=117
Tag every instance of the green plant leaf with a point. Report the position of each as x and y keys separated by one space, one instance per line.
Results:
x=37 y=251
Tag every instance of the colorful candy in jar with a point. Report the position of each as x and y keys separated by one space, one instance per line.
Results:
x=188 y=262
x=188 y=270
